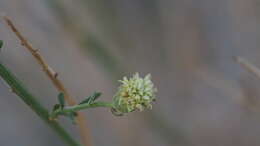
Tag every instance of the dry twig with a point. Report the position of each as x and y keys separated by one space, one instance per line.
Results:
x=81 y=120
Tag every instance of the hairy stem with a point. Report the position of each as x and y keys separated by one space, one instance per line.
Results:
x=19 y=89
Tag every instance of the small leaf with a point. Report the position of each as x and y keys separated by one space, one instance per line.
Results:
x=85 y=101
x=1 y=44
x=72 y=116
x=61 y=100
x=91 y=98
x=55 y=107
x=96 y=95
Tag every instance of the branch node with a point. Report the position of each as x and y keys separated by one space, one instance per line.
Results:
x=35 y=50
x=56 y=75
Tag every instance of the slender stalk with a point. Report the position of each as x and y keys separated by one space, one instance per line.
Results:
x=53 y=76
x=19 y=89
x=46 y=68
x=80 y=107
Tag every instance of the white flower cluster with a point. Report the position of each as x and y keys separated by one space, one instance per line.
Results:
x=135 y=93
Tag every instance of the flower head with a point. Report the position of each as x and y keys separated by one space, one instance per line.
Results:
x=135 y=93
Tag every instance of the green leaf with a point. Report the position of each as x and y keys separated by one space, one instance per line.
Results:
x=96 y=95
x=85 y=101
x=1 y=44
x=91 y=98
x=56 y=107
x=72 y=116
x=61 y=100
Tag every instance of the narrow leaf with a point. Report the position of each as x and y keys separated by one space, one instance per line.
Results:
x=91 y=98
x=96 y=95
x=55 y=107
x=61 y=100
x=72 y=116
x=1 y=44
x=85 y=100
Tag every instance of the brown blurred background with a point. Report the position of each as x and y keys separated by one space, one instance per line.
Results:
x=204 y=97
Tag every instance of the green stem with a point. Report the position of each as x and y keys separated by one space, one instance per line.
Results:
x=19 y=89
x=80 y=107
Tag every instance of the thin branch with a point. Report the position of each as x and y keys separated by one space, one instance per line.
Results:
x=81 y=120
x=19 y=89
x=248 y=66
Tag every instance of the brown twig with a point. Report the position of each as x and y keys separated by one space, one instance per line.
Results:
x=81 y=120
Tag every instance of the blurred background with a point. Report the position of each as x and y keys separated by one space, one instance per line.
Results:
x=204 y=98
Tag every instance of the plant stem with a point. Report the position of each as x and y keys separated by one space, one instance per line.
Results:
x=79 y=107
x=53 y=76
x=19 y=89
